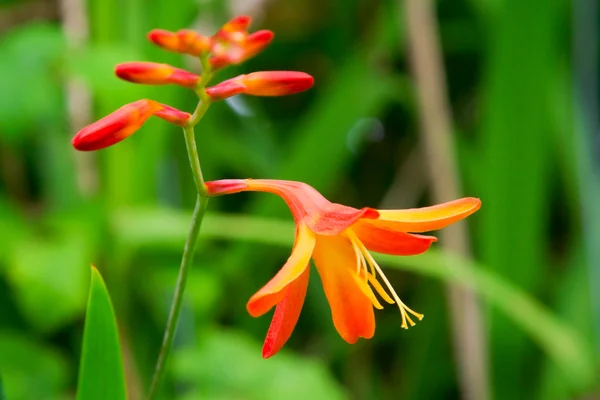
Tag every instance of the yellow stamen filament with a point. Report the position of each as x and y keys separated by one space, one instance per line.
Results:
x=363 y=258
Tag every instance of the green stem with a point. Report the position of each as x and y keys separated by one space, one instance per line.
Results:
x=186 y=262
x=190 y=244
x=190 y=142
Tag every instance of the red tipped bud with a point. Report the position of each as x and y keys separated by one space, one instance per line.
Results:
x=226 y=186
x=265 y=83
x=116 y=126
x=276 y=83
x=173 y=115
x=123 y=122
x=151 y=73
x=183 y=41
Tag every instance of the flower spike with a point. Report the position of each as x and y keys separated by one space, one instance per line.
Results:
x=151 y=73
x=124 y=122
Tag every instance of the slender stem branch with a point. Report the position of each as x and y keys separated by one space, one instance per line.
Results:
x=190 y=142
x=186 y=262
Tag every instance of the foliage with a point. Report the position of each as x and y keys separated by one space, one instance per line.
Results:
x=353 y=138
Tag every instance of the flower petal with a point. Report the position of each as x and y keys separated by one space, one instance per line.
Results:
x=273 y=292
x=286 y=315
x=427 y=218
x=388 y=241
x=351 y=309
x=307 y=204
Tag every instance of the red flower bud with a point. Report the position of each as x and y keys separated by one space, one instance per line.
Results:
x=173 y=115
x=151 y=73
x=265 y=83
x=183 y=41
x=116 y=126
x=123 y=122
x=276 y=83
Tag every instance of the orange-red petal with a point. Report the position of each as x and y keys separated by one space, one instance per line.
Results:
x=388 y=241
x=427 y=218
x=274 y=291
x=286 y=315
x=308 y=205
x=351 y=309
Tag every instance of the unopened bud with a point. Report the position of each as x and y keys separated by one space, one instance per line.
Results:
x=116 y=126
x=183 y=41
x=151 y=73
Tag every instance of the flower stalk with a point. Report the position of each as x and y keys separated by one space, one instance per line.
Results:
x=190 y=244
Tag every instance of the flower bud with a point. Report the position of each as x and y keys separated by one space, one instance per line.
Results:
x=151 y=73
x=116 y=126
x=264 y=83
x=183 y=41
x=276 y=83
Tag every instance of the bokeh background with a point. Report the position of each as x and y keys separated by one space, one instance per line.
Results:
x=520 y=92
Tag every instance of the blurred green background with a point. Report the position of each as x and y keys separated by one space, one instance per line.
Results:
x=522 y=88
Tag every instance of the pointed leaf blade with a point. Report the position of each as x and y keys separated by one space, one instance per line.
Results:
x=101 y=374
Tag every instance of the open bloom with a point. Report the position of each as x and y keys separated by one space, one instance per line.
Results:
x=338 y=239
x=124 y=122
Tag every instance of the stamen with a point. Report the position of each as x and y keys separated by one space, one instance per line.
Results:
x=374 y=266
x=380 y=290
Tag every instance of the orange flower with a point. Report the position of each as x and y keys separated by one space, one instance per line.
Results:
x=338 y=239
x=151 y=73
x=264 y=83
x=123 y=122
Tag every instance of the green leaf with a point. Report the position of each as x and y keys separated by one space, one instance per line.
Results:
x=101 y=374
x=563 y=345
x=2 y=396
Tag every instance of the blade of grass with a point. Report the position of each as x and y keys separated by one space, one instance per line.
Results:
x=101 y=374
